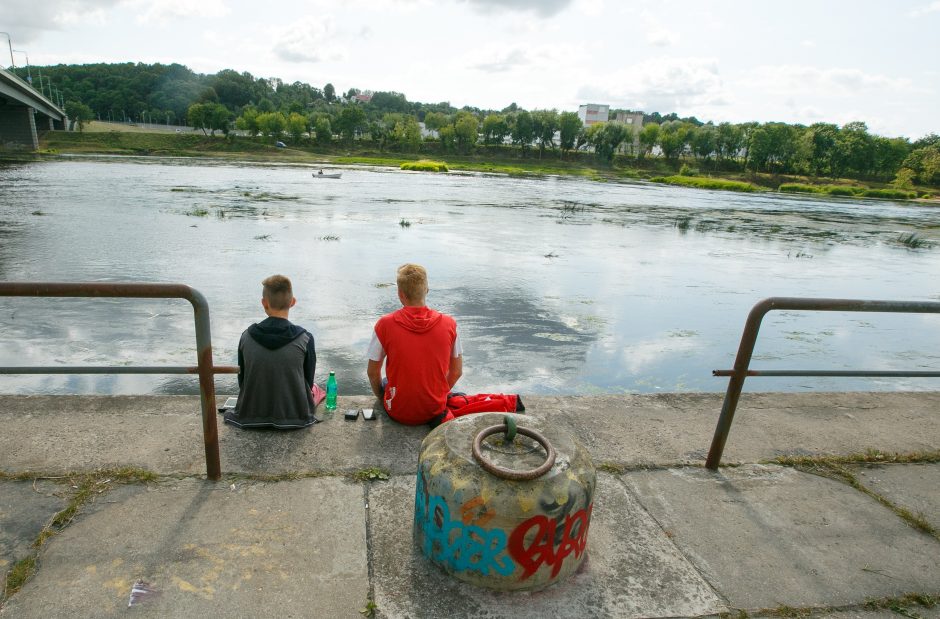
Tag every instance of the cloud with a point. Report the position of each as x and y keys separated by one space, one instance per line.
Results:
x=790 y=79
x=933 y=7
x=311 y=39
x=663 y=84
x=166 y=10
x=27 y=20
x=542 y=8
x=504 y=61
x=660 y=37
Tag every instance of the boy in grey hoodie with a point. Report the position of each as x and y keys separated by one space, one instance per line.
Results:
x=276 y=363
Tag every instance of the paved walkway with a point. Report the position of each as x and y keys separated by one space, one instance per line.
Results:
x=297 y=529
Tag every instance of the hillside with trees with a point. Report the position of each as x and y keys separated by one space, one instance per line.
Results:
x=387 y=121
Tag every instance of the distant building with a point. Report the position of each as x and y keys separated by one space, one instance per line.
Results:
x=634 y=119
x=593 y=113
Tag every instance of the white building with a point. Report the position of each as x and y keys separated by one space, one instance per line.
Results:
x=593 y=113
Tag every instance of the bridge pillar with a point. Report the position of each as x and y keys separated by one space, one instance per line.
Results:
x=18 y=126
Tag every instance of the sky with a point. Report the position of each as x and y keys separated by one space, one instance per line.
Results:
x=801 y=61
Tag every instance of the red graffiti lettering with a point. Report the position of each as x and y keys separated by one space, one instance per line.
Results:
x=541 y=547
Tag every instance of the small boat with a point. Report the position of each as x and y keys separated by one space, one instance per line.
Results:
x=322 y=174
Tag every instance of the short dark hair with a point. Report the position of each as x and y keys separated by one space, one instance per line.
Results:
x=278 y=292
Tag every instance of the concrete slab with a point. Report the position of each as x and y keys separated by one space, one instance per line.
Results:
x=164 y=433
x=632 y=570
x=25 y=508
x=911 y=486
x=286 y=549
x=677 y=428
x=767 y=536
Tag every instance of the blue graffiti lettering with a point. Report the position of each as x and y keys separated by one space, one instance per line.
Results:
x=462 y=547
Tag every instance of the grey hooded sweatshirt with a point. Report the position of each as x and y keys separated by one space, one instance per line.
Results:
x=276 y=363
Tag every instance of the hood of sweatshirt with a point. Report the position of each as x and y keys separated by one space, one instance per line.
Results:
x=274 y=333
x=417 y=319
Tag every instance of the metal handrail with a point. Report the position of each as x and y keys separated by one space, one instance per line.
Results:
x=749 y=339
x=204 y=369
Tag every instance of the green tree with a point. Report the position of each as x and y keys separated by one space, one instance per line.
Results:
x=521 y=128
x=405 y=131
x=248 y=121
x=197 y=117
x=606 y=138
x=704 y=141
x=218 y=117
x=823 y=138
x=649 y=138
x=329 y=93
x=272 y=124
x=323 y=130
x=569 y=127
x=466 y=129
x=448 y=137
x=297 y=126
x=79 y=113
x=673 y=137
x=435 y=120
x=729 y=141
x=855 y=149
x=544 y=126
x=495 y=129
x=352 y=120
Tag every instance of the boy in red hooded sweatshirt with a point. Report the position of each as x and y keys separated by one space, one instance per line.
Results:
x=422 y=354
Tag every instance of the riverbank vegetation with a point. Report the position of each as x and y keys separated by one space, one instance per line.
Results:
x=424 y=165
x=242 y=114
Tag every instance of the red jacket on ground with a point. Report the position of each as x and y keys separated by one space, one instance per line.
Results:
x=419 y=344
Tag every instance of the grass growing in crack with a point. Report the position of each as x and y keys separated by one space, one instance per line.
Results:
x=84 y=487
x=371 y=474
x=369 y=610
x=835 y=467
x=900 y=605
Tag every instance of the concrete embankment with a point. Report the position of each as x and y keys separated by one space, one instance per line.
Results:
x=318 y=522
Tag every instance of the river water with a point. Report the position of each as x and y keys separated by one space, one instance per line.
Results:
x=558 y=285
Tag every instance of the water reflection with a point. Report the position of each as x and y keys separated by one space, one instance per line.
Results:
x=558 y=285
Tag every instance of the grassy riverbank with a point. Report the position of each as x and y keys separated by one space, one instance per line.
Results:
x=141 y=142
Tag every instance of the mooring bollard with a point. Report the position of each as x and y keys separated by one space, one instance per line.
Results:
x=501 y=506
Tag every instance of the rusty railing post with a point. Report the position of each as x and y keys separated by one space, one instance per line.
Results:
x=210 y=427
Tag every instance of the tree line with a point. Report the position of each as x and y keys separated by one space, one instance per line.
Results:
x=388 y=121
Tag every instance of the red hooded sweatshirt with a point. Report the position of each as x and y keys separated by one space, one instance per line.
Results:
x=418 y=343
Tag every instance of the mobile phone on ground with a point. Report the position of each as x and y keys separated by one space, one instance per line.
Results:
x=367 y=414
x=230 y=403
x=351 y=414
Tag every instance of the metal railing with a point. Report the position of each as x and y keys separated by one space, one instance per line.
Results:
x=204 y=368
x=749 y=339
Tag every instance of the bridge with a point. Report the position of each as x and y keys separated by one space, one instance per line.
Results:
x=23 y=112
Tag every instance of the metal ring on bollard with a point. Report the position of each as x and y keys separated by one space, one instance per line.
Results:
x=505 y=473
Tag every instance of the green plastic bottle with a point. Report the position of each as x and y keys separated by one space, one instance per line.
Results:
x=331 y=392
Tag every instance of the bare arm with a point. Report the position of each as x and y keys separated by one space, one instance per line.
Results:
x=374 y=372
x=455 y=371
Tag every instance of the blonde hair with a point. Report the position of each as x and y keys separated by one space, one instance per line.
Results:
x=278 y=292
x=413 y=282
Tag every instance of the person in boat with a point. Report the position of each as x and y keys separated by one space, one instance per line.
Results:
x=320 y=172
x=276 y=364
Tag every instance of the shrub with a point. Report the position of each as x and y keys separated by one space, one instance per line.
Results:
x=687 y=170
x=425 y=165
x=700 y=182
x=800 y=188
x=890 y=194
x=834 y=190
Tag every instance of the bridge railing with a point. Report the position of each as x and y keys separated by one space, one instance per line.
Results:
x=204 y=368
x=749 y=339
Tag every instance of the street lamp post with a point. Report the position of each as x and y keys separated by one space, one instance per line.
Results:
x=29 y=76
x=10 y=43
